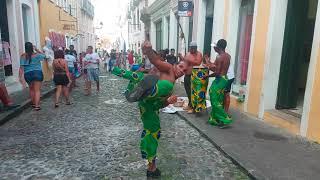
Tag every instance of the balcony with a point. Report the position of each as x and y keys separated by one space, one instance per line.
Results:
x=87 y=7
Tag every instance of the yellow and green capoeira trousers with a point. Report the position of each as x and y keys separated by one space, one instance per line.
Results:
x=199 y=89
x=218 y=116
x=149 y=110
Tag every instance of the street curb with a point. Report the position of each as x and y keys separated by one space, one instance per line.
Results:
x=24 y=105
x=234 y=161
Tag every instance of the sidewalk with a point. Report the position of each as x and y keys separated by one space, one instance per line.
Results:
x=265 y=152
x=22 y=98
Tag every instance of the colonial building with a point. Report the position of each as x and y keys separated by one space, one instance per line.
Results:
x=167 y=29
x=136 y=28
x=275 y=51
x=70 y=19
x=19 y=23
x=58 y=21
x=85 y=25
x=274 y=47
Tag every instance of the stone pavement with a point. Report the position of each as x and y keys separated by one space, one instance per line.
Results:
x=98 y=138
x=266 y=152
x=23 y=99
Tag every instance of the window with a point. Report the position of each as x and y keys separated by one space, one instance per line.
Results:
x=138 y=20
x=243 y=45
x=159 y=35
x=25 y=19
x=134 y=22
x=168 y=21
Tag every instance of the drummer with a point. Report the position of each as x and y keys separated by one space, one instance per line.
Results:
x=192 y=58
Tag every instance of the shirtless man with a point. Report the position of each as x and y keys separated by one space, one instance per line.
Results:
x=218 y=116
x=192 y=58
x=152 y=92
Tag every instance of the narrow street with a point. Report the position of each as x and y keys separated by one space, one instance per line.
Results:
x=98 y=138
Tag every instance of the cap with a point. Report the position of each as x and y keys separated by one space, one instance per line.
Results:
x=193 y=44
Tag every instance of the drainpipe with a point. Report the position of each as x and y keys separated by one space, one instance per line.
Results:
x=36 y=23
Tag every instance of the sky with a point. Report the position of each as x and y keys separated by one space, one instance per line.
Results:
x=108 y=12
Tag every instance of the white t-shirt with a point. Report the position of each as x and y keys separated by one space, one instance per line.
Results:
x=93 y=60
x=230 y=73
x=70 y=60
x=147 y=64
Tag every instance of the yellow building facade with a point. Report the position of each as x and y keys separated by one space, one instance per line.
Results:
x=58 y=22
x=275 y=51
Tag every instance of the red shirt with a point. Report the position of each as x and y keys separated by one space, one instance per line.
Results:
x=130 y=58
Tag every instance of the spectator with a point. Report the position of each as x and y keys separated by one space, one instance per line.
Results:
x=92 y=61
x=113 y=59
x=72 y=51
x=71 y=61
x=130 y=59
x=171 y=58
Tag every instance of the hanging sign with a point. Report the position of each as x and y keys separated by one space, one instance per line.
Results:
x=185 y=8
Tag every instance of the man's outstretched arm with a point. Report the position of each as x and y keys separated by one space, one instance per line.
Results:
x=154 y=58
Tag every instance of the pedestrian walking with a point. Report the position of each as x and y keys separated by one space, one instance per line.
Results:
x=131 y=59
x=85 y=71
x=30 y=67
x=61 y=77
x=71 y=61
x=92 y=61
x=113 y=59
x=106 y=61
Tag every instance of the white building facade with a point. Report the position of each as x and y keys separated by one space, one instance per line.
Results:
x=19 y=24
x=86 y=30
x=136 y=28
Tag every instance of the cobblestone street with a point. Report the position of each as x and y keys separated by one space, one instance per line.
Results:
x=98 y=138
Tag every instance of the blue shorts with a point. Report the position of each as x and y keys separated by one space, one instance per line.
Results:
x=71 y=70
x=33 y=76
x=93 y=75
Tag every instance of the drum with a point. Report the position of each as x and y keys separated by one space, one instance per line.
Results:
x=199 y=88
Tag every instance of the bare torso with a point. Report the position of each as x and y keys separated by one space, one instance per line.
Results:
x=192 y=60
x=222 y=64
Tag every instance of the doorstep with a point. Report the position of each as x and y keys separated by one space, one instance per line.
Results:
x=261 y=150
x=283 y=120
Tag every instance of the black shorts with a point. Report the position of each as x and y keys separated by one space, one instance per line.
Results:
x=61 y=79
x=229 y=84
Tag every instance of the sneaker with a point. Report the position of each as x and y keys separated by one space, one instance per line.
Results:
x=156 y=173
x=142 y=88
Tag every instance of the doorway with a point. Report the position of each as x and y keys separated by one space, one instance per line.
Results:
x=296 y=52
x=159 y=36
x=208 y=27
x=246 y=12
x=5 y=38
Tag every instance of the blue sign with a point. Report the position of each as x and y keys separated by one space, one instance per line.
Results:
x=185 y=8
